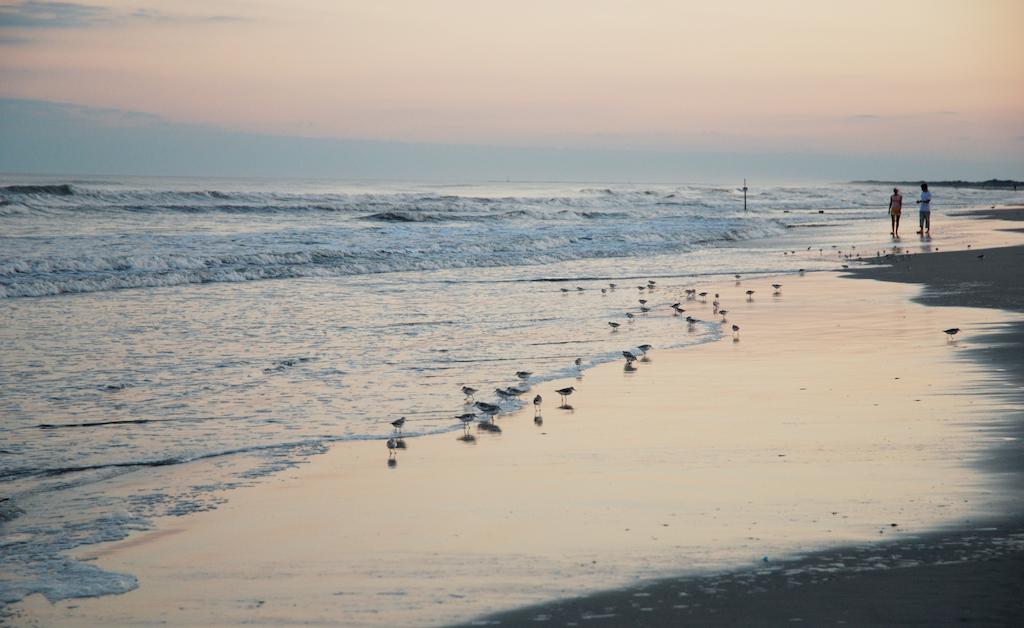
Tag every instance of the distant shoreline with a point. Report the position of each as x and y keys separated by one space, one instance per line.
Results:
x=990 y=184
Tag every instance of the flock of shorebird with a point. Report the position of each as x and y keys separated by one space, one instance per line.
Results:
x=487 y=411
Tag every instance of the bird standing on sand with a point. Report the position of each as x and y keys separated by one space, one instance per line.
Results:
x=643 y=301
x=629 y=315
x=536 y=404
x=723 y=313
x=524 y=374
x=564 y=290
x=613 y=325
x=778 y=288
x=630 y=356
x=579 y=364
x=644 y=348
x=703 y=297
x=952 y=331
x=612 y=286
x=735 y=332
x=750 y=295
x=398 y=423
x=487 y=408
x=469 y=391
x=466 y=419
x=565 y=392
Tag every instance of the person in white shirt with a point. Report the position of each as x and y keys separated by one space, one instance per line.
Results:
x=924 y=211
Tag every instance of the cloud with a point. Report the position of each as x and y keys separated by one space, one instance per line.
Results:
x=32 y=14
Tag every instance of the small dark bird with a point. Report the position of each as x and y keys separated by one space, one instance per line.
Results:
x=536 y=404
x=604 y=291
x=778 y=287
x=466 y=419
x=504 y=393
x=737 y=277
x=579 y=288
x=735 y=331
x=982 y=256
x=613 y=324
x=524 y=374
x=564 y=289
x=629 y=315
x=629 y=355
x=612 y=286
x=469 y=391
x=801 y=271
x=487 y=408
x=723 y=313
x=952 y=331
x=645 y=309
x=643 y=301
x=845 y=266
x=651 y=282
x=644 y=348
x=579 y=364
x=750 y=295
x=398 y=423
x=565 y=392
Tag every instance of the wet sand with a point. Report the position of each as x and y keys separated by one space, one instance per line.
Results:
x=822 y=426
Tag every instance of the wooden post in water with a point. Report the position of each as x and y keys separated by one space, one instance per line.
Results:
x=744 y=194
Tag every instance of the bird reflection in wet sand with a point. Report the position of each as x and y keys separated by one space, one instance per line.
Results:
x=487 y=426
x=392 y=454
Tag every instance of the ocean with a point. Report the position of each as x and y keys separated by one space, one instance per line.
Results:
x=153 y=325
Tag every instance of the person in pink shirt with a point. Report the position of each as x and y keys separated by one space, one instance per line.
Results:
x=895 y=209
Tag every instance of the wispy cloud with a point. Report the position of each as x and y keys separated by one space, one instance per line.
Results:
x=32 y=14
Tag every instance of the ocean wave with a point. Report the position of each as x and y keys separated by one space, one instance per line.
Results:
x=63 y=189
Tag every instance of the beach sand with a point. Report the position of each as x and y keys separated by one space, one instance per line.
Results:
x=841 y=418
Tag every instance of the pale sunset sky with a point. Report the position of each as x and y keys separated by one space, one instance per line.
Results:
x=942 y=79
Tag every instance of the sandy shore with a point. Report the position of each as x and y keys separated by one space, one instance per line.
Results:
x=841 y=416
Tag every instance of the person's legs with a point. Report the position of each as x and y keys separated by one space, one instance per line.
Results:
x=920 y=222
x=927 y=226
x=892 y=230
x=896 y=225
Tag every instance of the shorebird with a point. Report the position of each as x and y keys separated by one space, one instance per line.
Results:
x=515 y=390
x=630 y=316
x=952 y=331
x=536 y=404
x=750 y=295
x=690 y=322
x=645 y=309
x=579 y=364
x=641 y=287
x=778 y=287
x=644 y=348
x=982 y=256
x=487 y=408
x=604 y=290
x=801 y=271
x=735 y=332
x=737 y=279
x=466 y=419
x=524 y=374
x=723 y=313
x=613 y=325
x=846 y=266
x=504 y=393
x=630 y=356
x=612 y=286
x=469 y=391
x=703 y=297
x=678 y=308
x=565 y=392
x=643 y=301
x=691 y=293
x=398 y=423
x=579 y=289
x=564 y=289
x=651 y=282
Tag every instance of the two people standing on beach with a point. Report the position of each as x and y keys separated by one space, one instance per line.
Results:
x=924 y=210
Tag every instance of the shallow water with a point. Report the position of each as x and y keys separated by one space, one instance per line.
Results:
x=151 y=324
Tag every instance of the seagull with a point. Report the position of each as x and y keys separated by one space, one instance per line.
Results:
x=613 y=325
x=750 y=295
x=579 y=364
x=735 y=332
x=524 y=374
x=469 y=391
x=398 y=423
x=536 y=404
x=952 y=331
x=565 y=392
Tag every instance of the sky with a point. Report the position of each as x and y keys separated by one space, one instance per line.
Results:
x=919 y=86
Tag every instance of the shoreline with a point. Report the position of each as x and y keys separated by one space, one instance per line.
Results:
x=141 y=541
x=972 y=572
